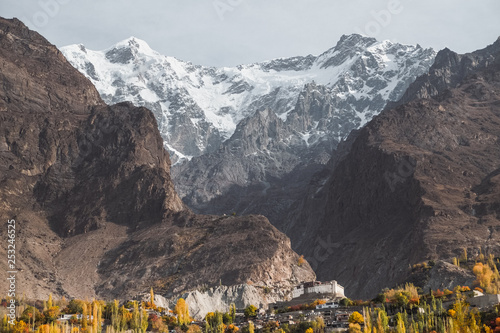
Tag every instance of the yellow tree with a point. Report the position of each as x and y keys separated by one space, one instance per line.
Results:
x=152 y=298
x=182 y=312
x=356 y=318
x=84 y=316
x=94 y=316
x=49 y=302
x=99 y=317
x=20 y=327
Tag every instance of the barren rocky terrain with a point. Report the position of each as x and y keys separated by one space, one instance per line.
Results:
x=89 y=187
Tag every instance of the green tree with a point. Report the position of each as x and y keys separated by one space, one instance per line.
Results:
x=144 y=320
x=232 y=311
x=214 y=322
x=250 y=311
x=345 y=302
x=400 y=323
x=31 y=315
x=75 y=306
x=227 y=319
x=136 y=318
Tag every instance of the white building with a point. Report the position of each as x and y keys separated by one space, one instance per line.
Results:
x=331 y=288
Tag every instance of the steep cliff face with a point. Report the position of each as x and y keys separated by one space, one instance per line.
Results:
x=417 y=183
x=89 y=187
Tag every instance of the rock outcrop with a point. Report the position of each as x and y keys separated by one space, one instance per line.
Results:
x=89 y=187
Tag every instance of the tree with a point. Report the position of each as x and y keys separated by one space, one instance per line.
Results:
x=250 y=311
x=29 y=313
x=232 y=312
x=115 y=318
x=400 y=323
x=136 y=324
x=152 y=298
x=231 y=328
x=126 y=318
x=49 y=302
x=182 y=312
x=227 y=319
x=99 y=318
x=20 y=327
x=84 y=316
x=354 y=328
x=345 y=302
x=144 y=320
x=75 y=306
x=301 y=261
x=250 y=328
x=214 y=322
x=94 y=316
x=51 y=314
x=356 y=318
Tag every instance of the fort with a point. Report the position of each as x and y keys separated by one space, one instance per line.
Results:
x=331 y=290
x=308 y=292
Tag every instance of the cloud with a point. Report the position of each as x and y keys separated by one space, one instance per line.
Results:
x=231 y=32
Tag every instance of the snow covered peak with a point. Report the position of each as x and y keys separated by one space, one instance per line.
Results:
x=197 y=108
x=129 y=49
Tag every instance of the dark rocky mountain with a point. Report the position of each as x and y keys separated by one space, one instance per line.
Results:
x=89 y=187
x=419 y=182
x=448 y=71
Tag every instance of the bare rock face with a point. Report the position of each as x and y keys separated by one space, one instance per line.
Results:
x=419 y=182
x=447 y=72
x=442 y=275
x=89 y=187
x=220 y=299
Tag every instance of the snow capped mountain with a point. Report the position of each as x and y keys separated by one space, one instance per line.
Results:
x=198 y=108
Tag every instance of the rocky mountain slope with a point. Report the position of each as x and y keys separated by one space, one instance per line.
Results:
x=257 y=132
x=418 y=182
x=89 y=187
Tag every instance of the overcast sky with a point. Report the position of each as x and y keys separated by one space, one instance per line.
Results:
x=232 y=32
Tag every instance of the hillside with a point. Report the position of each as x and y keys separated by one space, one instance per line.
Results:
x=89 y=187
x=418 y=182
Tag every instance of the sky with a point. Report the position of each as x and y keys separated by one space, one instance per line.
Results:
x=232 y=32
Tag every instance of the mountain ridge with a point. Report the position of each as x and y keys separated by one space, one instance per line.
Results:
x=177 y=91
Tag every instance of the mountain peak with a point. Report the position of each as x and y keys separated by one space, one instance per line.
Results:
x=133 y=42
x=126 y=50
x=354 y=40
